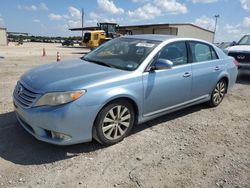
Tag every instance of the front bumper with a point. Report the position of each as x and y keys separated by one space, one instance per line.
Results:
x=72 y=120
x=244 y=65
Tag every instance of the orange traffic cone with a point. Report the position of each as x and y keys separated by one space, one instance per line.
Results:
x=58 y=58
x=44 y=52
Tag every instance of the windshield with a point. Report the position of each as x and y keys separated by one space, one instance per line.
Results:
x=122 y=53
x=245 y=40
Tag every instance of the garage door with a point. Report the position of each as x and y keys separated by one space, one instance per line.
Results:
x=137 y=32
x=162 y=31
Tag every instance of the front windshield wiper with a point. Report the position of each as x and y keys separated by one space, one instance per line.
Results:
x=97 y=62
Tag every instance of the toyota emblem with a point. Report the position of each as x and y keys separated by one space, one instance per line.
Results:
x=19 y=90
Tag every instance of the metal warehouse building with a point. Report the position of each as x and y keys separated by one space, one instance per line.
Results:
x=180 y=30
x=3 y=37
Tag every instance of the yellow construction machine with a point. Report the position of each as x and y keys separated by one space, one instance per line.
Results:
x=104 y=32
x=95 y=36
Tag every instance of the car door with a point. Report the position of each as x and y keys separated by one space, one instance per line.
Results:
x=206 y=68
x=163 y=89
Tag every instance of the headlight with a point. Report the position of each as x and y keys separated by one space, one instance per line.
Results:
x=57 y=98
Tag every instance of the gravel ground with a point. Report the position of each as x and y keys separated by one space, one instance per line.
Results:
x=194 y=147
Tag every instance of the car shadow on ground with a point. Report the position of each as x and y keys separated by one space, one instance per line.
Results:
x=244 y=77
x=169 y=117
x=18 y=147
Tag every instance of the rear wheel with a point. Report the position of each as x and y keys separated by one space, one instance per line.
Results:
x=114 y=122
x=218 y=93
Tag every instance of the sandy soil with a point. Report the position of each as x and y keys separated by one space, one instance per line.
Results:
x=194 y=147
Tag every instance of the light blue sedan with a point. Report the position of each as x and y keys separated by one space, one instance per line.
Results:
x=126 y=81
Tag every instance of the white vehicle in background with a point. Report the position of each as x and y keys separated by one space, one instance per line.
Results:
x=241 y=52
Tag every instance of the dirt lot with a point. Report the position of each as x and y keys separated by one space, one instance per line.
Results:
x=194 y=147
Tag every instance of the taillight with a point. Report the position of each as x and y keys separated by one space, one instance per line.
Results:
x=236 y=63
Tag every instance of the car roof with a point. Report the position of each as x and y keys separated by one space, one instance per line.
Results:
x=155 y=37
x=162 y=38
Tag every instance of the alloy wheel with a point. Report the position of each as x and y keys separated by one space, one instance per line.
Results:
x=116 y=122
x=219 y=92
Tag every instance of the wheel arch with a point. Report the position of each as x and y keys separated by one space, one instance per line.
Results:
x=126 y=98
x=226 y=79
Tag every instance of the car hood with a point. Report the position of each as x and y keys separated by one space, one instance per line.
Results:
x=67 y=76
x=239 y=48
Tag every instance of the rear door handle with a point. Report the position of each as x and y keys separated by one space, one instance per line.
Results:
x=217 y=68
x=186 y=74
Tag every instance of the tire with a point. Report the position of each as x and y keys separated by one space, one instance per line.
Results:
x=218 y=93
x=110 y=127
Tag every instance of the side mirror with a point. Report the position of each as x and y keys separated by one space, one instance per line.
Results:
x=162 y=64
x=233 y=43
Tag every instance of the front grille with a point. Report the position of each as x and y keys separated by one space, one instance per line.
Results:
x=24 y=96
x=241 y=56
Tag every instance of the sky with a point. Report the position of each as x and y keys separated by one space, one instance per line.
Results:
x=55 y=17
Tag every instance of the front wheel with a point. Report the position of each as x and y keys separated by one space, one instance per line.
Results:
x=218 y=93
x=114 y=122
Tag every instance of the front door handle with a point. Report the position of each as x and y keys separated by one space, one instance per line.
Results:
x=186 y=74
x=217 y=68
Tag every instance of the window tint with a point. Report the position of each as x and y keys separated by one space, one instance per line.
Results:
x=245 y=40
x=214 y=55
x=122 y=53
x=202 y=52
x=175 y=52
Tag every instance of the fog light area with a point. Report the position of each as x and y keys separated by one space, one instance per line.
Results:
x=60 y=136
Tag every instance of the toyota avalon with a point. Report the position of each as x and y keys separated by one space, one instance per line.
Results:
x=125 y=81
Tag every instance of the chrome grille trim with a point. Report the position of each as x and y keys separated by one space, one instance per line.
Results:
x=242 y=57
x=24 y=96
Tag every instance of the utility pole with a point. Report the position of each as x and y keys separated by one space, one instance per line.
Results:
x=82 y=22
x=215 y=26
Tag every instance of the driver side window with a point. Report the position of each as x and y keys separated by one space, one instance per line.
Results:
x=175 y=52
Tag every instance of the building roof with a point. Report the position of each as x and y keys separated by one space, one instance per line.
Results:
x=18 y=33
x=143 y=26
x=110 y=23
x=83 y=28
x=3 y=28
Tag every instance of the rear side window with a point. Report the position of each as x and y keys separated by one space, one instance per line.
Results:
x=175 y=52
x=214 y=55
x=202 y=52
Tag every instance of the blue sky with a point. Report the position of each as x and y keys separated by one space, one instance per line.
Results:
x=53 y=18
